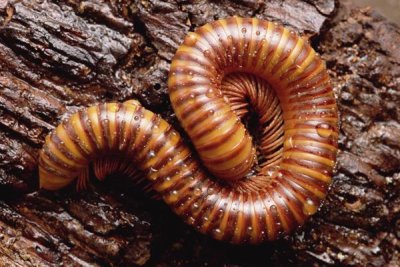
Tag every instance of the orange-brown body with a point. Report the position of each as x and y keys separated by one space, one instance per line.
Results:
x=221 y=70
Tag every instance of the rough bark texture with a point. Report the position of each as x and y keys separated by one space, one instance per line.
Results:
x=58 y=56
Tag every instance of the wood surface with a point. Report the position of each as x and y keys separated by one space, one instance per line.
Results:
x=59 y=56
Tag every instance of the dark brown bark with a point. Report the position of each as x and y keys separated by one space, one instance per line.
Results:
x=58 y=56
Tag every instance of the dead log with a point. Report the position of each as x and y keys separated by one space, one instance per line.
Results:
x=61 y=55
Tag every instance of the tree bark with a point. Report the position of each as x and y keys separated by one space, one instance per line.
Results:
x=61 y=55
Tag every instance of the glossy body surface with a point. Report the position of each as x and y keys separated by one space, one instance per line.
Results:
x=222 y=74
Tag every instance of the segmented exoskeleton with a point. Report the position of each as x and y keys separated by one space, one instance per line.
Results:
x=221 y=74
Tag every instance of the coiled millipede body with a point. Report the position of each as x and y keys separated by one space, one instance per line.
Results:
x=226 y=74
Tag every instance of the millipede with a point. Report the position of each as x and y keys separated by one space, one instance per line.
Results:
x=257 y=103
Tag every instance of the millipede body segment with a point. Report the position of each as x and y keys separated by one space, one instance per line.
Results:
x=225 y=73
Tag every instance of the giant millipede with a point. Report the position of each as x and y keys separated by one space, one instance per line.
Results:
x=226 y=74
